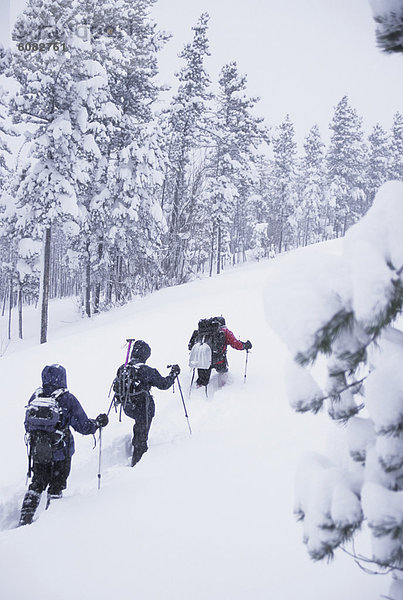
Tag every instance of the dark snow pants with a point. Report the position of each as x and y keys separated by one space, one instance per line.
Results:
x=52 y=476
x=142 y=412
x=203 y=375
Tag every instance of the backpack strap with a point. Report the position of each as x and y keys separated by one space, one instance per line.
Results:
x=123 y=393
x=136 y=367
x=55 y=394
x=60 y=432
x=58 y=393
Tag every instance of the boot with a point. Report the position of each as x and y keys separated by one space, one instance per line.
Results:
x=51 y=497
x=222 y=379
x=29 y=506
x=138 y=452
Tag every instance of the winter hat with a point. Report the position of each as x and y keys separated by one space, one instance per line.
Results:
x=54 y=377
x=141 y=351
x=221 y=320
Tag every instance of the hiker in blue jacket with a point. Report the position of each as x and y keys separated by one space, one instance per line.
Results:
x=132 y=386
x=50 y=455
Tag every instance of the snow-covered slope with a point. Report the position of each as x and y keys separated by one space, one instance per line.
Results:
x=207 y=516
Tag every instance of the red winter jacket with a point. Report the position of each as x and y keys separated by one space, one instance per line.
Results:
x=231 y=340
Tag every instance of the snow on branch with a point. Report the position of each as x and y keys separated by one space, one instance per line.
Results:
x=349 y=317
x=329 y=506
x=388 y=15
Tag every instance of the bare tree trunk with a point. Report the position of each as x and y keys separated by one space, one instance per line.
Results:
x=218 y=250
x=212 y=252
x=109 y=288
x=10 y=308
x=45 y=287
x=118 y=280
x=305 y=243
x=280 y=242
x=20 y=312
x=345 y=224
x=97 y=297
x=3 y=312
x=88 y=283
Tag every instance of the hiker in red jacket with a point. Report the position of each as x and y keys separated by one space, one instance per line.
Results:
x=215 y=333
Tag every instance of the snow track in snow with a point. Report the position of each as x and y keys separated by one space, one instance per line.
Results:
x=206 y=516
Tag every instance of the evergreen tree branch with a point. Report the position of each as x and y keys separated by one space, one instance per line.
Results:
x=325 y=337
x=42 y=119
x=318 y=402
x=358 y=557
x=344 y=320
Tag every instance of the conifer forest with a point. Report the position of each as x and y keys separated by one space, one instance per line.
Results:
x=112 y=194
x=114 y=184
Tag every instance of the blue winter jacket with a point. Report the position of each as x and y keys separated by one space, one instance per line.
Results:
x=73 y=414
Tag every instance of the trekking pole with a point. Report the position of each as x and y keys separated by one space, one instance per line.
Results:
x=110 y=406
x=191 y=383
x=183 y=400
x=246 y=365
x=99 y=458
x=184 y=405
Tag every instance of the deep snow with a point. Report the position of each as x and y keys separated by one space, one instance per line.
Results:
x=207 y=516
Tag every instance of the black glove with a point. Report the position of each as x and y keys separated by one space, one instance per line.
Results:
x=247 y=345
x=175 y=370
x=102 y=420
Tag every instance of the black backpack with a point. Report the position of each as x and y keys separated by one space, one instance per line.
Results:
x=127 y=386
x=209 y=332
x=43 y=425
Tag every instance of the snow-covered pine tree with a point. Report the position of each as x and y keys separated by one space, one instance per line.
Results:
x=236 y=135
x=186 y=136
x=346 y=167
x=259 y=210
x=6 y=242
x=313 y=217
x=395 y=170
x=139 y=221
x=5 y=130
x=96 y=105
x=353 y=321
x=94 y=116
x=378 y=159
x=128 y=52
x=12 y=279
x=45 y=190
x=20 y=256
x=114 y=109
x=388 y=15
x=283 y=182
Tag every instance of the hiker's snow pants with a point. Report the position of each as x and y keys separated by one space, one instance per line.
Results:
x=203 y=375
x=52 y=476
x=142 y=412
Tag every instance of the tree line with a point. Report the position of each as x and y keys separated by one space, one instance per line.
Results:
x=112 y=194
